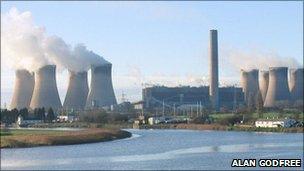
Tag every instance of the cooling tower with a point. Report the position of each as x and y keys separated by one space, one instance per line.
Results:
x=77 y=91
x=213 y=88
x=23 y=90
x=101 y=91
x=250 y=83
x=263 y=83
x=45 y=91
x=296 y=83
x=278 y=91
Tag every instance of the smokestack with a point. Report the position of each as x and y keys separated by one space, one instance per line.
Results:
x=296 y=84
x=278 y=91
x=77 y=91
x=213 y=88
x=45 y=91
x=250 y=83
x=101 y=91
x=263 y=83
x=24 y=85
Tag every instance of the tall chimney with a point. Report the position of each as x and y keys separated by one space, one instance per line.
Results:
x=101 y=91
x=45 y=90
x=77 y=91
x=23 y=89
x=213 y=88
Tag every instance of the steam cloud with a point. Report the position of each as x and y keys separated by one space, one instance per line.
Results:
x=258 y=60
x=27 y=46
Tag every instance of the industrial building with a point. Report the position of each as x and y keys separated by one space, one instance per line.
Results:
x=271 y=86
x=157 y=96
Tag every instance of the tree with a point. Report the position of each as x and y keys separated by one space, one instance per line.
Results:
x=24 y=113
x=50 y=115
x=36 y=113
x=14 y=115
x=39 y=113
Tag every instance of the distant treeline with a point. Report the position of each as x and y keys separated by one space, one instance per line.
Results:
x=11 y=116
x=101 y=116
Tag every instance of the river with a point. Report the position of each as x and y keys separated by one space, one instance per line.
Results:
x=160 y=149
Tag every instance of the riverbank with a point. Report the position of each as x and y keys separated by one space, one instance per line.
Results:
x=190 y=126
x=32 y=138
x=222 y=128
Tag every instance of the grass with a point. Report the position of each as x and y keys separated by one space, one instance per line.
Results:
x=31 y=138
x=83 y=125
x=256 y=116
x=221 y=115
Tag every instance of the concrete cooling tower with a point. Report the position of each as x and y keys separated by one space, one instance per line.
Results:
x=101 y=91
x=45 y=91
x=23 y=89
x=250 y=83
x=213 y=88
x=77 y=91
x=263 y=83
x=278 y=91
x=296 y=83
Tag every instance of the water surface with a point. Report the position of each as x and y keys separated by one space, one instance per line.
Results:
x=160 y=149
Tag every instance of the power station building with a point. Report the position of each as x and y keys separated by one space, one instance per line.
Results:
x=156 y=96
x=273 y=87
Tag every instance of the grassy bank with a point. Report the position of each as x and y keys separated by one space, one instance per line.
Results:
x=82 y=125
x=32 y=138
x=220 y=127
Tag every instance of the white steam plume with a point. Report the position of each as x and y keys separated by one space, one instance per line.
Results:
x=25 y=45
x=77 y=59
x=258 y=60
x=21 y=41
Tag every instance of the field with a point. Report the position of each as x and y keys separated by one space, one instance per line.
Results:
x=31 y=138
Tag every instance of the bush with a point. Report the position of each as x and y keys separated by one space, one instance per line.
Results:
x=101 y=116
x=230 y=120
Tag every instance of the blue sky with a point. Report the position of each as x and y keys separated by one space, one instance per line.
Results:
x=165 y=42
